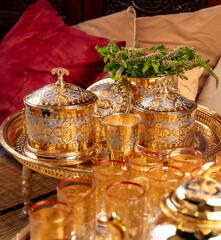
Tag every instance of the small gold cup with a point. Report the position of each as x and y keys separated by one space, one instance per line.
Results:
x=121 y=133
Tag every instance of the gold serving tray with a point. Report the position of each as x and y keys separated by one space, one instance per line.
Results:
x=12 y=137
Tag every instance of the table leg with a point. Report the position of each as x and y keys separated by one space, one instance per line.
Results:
x=26 y=189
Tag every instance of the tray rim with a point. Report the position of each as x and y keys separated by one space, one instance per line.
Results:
x=72 y=171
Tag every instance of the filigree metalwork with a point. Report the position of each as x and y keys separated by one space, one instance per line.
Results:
x=21 y=5
x=13 y=139
x=154 y=7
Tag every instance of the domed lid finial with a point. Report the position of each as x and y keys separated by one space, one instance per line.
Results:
x=60 y=72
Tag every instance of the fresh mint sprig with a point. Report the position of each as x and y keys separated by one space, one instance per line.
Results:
x=157 y=61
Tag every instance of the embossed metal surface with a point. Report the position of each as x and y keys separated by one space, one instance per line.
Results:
x=143 y=87
x=111 y=97
x=59 y=119
x=167 y=120
x=207 y=139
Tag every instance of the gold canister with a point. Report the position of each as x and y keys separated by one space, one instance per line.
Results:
x=59 y=119
x=192 y=211
x=167 y=120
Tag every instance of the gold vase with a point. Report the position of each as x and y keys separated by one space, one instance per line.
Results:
x=143 y=87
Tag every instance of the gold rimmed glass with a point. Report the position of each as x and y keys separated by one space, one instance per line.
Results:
x=50 y=220
x=126 y=199
x=79 y=193
x=160 y=181
x=104 y=173
x=185 y=159
x=139 y=164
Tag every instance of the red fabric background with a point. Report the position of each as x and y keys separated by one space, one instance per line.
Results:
x=39 y=42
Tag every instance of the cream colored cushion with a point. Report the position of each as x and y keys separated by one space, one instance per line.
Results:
x=188 y=88
x=200 y=29
x=121 y=25
x=210 y=96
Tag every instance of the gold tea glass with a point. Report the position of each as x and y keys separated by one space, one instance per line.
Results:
x=104 y=173
x=160 y=181
x=185 y=159
x=50 y=220
x=79 y=193
x=139 y=164
x=126 y=199
x=121 y=134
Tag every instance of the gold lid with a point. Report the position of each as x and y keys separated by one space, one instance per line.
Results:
x=60 y=94
x=165 y=101
x=196 y=200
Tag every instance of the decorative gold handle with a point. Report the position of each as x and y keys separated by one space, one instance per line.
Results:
x=210 y=184
x=116 y=222
x=165 y=85
x=60 y=72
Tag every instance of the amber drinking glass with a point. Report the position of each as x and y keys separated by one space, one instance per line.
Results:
x=140 y=162
x=121 y=134
x=80 y=195
x=185 y=159
x=160 y=181
x=104 y=173
x=50 y=220
x=126 y=199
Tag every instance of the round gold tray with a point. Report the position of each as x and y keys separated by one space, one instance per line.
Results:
x=12 y=137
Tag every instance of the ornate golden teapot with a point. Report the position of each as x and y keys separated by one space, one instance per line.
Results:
x=59 y=120
x=192 y=211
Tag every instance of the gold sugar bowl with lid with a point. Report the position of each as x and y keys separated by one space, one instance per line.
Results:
x=59 y=120
x=192 y=211
x=167 y=120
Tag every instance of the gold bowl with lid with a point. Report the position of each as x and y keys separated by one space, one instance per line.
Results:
x=167 y=120
x=59 y=120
